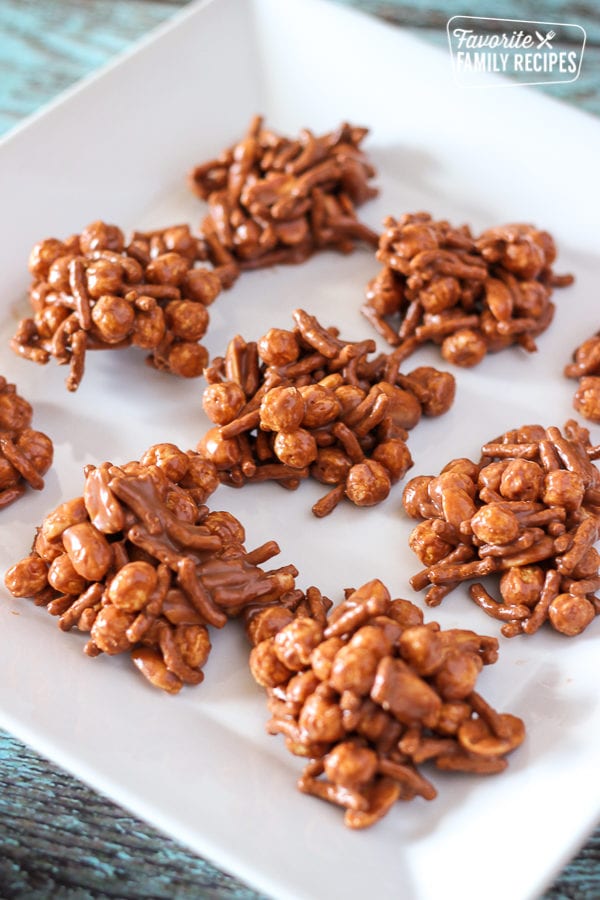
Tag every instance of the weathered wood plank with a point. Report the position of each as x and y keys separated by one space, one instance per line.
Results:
x=47 y=45
x=58 y=836
x=60 y=839
x=435 y=13
x=583 y=93
x=430 y=24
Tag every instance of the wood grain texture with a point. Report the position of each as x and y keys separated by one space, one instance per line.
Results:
x=429 y=22
x=48 y=45
x=435 y=13
x=59 y=839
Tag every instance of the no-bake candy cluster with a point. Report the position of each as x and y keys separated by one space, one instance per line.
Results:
x=470 y=295
x=25 y=454
x=275 y=199
x=144 y=567
x=95 y=291
x=528 y=511
x=304 y=403
x=368 y=693
x=585 y=367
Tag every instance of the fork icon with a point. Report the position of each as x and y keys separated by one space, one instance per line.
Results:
x=545 y=41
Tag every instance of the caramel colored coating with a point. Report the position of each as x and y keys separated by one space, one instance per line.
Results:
x=132 y=586
x=434 y=389
x=274 y=199
x=522 y=479
x=223 y=401
x=63 y=576
x=294 y=644
x=321 y=406
x=585 y=367
x=470 y=295
x=563 y=489
x=28 y=577
x=586 y=399
x=109 y=631
x=465 y=348
x=304 y=402
x=394 y=456
x=221 y=452
x=15 y=412
x=476 y=736
x=528 y=512
x=571 y=614
x=25 y=454
x=140 y=564
x=281 y=409
x=369 y=692
x=266 y=667
x=89 y=551
x=495 y=524
x=367 y=483
x=522 y=584
x=94 y=292
x=404 y=408
x=297 y=449
x=113 y=317
x=278 y=347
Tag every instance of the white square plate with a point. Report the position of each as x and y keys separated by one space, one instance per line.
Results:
x=200 y=765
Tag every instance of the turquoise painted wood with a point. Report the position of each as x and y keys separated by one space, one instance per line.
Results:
x=428 y=18
x=58 y=839
x=46 y=46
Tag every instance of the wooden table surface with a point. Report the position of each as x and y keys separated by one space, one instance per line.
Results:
x=57 y=837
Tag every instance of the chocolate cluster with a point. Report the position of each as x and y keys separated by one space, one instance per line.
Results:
x=368 y=693
x=25 y=454
x=144 y=567
x=529 y=512
x=95 y=291
x=470 y=295
x=585 y=367
x=305 y=403
x=274 y=199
